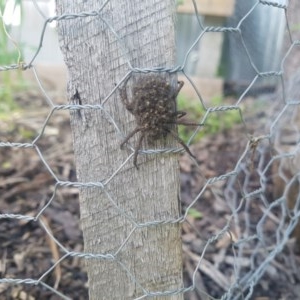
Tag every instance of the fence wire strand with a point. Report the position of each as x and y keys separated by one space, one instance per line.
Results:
x=253 y=248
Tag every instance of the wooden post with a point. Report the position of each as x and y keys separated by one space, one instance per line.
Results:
x=144 y=259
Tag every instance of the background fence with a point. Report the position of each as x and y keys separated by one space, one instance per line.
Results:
x=240 y=201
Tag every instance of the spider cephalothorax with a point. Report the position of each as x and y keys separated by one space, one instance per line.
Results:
x=154 y=107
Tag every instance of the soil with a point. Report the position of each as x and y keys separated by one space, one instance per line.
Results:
x=26 y=186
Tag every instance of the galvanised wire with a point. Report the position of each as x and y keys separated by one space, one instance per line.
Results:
x=238 y=199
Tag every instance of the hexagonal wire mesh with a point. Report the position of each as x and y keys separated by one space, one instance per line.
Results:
x=257 y=197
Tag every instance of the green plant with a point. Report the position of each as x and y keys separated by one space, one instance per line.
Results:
x=195 y=214
x=295 y=27
x=214 y=123
x=10 y=54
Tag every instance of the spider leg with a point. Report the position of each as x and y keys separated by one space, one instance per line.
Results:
x=180 y=85
x=137 y=148
x=130 y=135
x=179 y=114
x=187 y=123
x=124 y=97
x=181 y=142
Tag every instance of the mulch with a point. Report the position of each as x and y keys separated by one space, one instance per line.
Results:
x=26 y=186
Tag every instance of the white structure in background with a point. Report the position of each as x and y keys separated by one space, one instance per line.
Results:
x=262 y=31
x=28 y=33
x=202 y=63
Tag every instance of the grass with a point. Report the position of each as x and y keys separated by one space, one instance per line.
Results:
x=215 y=122
x=11 y=53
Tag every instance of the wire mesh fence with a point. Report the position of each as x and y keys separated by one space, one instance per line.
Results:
x=250 y=239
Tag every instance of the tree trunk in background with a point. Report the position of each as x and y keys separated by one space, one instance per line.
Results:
x=151 y=257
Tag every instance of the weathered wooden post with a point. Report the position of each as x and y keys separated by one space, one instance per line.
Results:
x=144 y=259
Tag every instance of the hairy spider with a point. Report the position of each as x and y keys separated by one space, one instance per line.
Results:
x=154 y=107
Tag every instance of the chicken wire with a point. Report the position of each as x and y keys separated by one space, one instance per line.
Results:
x=271 y=153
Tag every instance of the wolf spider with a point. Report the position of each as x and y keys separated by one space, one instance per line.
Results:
x=154 y=107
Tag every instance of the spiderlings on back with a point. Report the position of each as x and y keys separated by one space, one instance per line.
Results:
x=153 y=104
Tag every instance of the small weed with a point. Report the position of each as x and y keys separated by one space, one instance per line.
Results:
x=216 y=121
x=195 y=214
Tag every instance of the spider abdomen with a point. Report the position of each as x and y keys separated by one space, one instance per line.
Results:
x=153 y=105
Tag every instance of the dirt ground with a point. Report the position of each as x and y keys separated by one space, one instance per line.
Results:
x=25 y=187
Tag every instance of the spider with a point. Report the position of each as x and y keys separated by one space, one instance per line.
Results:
x=154 y=107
